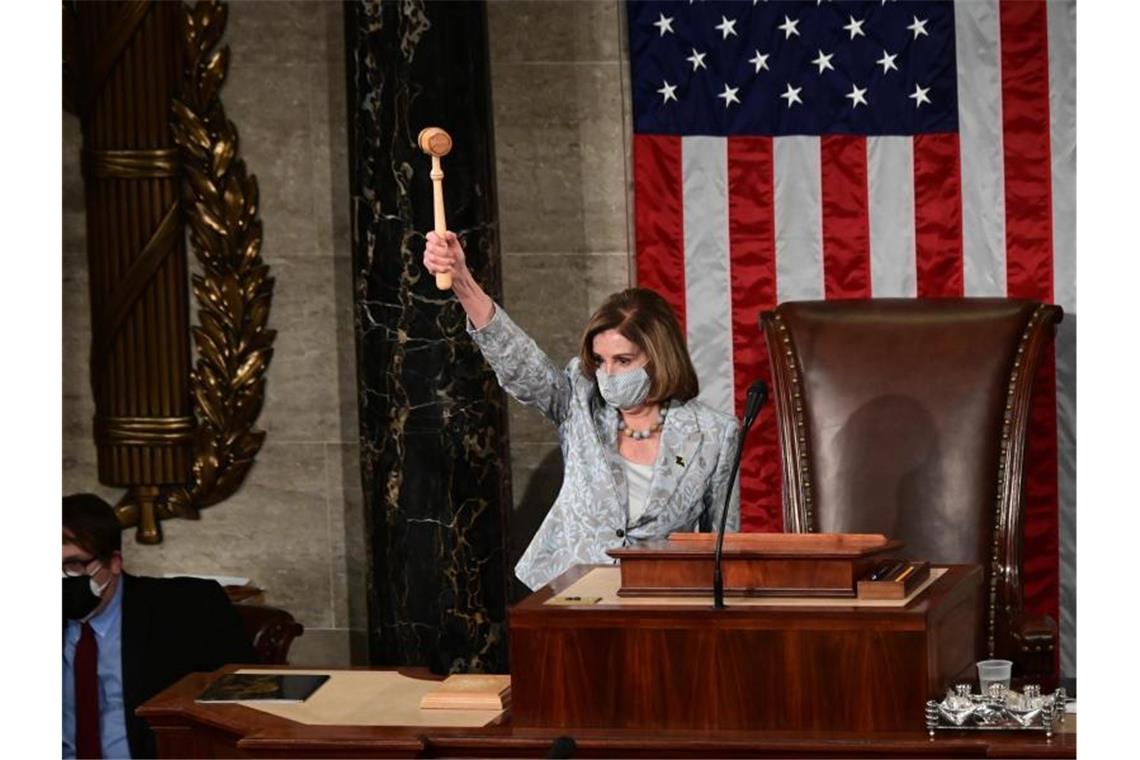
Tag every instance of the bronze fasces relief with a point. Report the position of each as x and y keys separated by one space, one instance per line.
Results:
x=160 y=156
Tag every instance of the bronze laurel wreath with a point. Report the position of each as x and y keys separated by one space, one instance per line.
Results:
x=234 y=290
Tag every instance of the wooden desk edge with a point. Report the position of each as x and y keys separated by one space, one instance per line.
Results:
x=263 y=734
x=947 y=583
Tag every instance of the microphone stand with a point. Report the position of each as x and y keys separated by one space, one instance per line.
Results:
x=757 y=394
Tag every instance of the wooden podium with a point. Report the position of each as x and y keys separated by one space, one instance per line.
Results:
x=582 y=656
x=754 y=564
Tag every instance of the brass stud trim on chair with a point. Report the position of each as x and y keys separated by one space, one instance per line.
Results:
x=999 y=567
x=797 y=465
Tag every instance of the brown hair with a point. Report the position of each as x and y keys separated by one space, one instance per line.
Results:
x=92 y=525
x=645 y=319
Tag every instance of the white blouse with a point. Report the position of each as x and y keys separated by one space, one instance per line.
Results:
x=637 y=476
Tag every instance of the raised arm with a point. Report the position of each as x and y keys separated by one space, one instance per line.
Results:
x=446 y=255
x=523 y=369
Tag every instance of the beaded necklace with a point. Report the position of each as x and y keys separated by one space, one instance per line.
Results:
x=641 y=435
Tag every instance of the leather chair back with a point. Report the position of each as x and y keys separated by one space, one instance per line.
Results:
x=908 y=418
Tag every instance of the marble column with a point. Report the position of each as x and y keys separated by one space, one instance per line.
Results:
x=433 y=423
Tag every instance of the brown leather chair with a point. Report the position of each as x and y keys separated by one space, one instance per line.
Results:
x=908 y=418
x=271 y=630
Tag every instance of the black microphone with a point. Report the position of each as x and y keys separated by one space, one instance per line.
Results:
x=757 y=395
x=563 y=746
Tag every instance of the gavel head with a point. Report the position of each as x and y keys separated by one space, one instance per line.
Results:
x=434 y=141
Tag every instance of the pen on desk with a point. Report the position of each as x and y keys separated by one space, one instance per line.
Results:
x=906 y=573
x=884 y=571
x=877 y=573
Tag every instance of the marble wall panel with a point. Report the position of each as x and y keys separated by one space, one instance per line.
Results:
x=349 y=536
x=302 y=400
x=328 y=115
x=554 y=30
x=269 y=103
x=280 y=33
x=559 y=146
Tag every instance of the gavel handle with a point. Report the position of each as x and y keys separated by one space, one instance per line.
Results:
x=443 y=279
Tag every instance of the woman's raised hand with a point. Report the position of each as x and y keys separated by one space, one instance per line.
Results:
x=444 y=254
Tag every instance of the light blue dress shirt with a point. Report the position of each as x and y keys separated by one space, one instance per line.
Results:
x=108 y=627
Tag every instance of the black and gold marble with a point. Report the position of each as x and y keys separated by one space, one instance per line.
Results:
x=433 y=422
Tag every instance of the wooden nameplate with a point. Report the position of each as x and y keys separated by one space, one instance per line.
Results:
x=469 y=691
x=753 y=564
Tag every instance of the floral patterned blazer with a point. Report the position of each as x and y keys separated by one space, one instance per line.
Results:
x=591 y=512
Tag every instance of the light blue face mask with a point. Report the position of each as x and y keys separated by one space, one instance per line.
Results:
x=624 y=390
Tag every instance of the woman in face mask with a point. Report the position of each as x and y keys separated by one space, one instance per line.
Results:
x=643 y=458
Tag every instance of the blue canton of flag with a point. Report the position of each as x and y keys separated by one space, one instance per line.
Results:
x=793 y=68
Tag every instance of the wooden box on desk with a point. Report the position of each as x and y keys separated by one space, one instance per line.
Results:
x=776 y=664
x=755 y=564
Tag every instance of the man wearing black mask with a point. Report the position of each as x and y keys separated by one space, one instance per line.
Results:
x=126 y=638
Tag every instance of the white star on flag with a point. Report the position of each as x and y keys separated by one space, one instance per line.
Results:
x=856 y=96
x=789 y=27
x=824 y=61
x=918 y=27
x=919 y=95
x=729 y=95
x=855 y=27
x=697 y=59
x=664 y=24
x=667 y=91
x=760 y=61
x=888 y=61
x=726 y=27
x=792 y=95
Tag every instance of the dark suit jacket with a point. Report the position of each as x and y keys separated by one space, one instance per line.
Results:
x=171 y=627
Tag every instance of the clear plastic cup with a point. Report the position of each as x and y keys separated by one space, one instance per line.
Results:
x=993 y=671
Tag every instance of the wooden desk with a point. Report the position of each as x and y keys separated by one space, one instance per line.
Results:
x=186 y=729
x=573 y=669
x=825 y=665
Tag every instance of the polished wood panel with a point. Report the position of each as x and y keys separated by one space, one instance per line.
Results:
x=186 y=729
x=843 y=668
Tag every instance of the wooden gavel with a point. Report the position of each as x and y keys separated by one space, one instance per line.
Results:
x=437 y=143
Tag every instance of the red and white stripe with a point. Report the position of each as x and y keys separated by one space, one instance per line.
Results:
x=727 y=227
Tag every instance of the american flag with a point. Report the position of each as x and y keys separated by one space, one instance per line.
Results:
x=804 y=150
